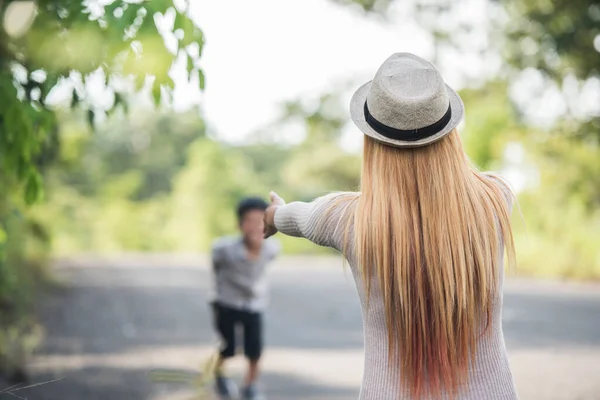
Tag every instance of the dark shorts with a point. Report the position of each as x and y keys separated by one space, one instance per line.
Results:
x=226 y=321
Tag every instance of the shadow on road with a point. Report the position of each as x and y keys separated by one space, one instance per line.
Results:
x=136 y=384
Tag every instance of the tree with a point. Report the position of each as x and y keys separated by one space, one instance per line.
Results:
x=67 y=42
x=111 y=191
x=318 y=164
x=558 y=37
x=561 y=40
x=53 y=46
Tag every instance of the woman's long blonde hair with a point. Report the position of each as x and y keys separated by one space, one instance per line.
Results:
x=431 y=230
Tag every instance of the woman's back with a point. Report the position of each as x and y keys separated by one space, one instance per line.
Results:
x=326 y=222
x=489 y=376
x=425 y=238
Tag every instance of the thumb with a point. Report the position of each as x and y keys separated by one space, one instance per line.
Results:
x=275 y=199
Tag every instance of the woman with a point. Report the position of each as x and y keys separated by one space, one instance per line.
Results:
x=425 y=239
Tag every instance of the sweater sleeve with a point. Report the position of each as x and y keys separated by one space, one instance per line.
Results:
x=319 y=221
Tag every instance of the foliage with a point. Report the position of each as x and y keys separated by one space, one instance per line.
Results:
x=67 y=42
x=490 y=124
x=318 y=165
x=129 y=47
x=556 y=223
x=177 y=192
x=561 y=40
x=19 y=280
x=563 y=222
x=368 y=6
x=556 y=37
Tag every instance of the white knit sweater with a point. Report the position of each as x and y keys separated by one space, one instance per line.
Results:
x=490 y=377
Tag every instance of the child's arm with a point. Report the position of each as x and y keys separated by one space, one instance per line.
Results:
x=243 y=285
x=220 y=268
x=216 y=257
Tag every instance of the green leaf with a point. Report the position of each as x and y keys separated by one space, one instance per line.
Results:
x=90 y=118
x=201 y=79
x=11 y=122
x=190 y=65
x=180 y=22
x=118 y=100
x=127 y=19
x=22 y=168
x=75 y=9
x=33 y=187
x=74 y=99
x=148 y=27
x=200 y=45
x=48 y=84
x=29 y=86
x=125 y=106
x=109 y=9
x=3 y=236
x=156 y=93
x=191 y=33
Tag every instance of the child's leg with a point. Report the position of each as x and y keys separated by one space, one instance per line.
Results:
x=252 y=374
x=225 y=321
x=253 y=344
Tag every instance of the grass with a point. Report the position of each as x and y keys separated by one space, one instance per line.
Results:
x=201 y=382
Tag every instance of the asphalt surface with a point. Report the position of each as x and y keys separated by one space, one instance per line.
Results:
x=116 y=321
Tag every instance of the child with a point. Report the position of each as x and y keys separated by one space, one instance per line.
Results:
x=240 y=295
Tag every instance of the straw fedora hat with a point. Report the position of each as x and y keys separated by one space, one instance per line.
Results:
x=407 y=104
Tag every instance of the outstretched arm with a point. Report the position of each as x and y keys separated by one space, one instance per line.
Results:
x=320 y=221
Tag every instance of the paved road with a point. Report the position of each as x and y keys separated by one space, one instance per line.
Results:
x=117 y=320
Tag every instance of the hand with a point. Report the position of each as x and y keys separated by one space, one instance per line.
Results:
x=276 y=201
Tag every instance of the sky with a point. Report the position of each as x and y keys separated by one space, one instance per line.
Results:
x=260 y=53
